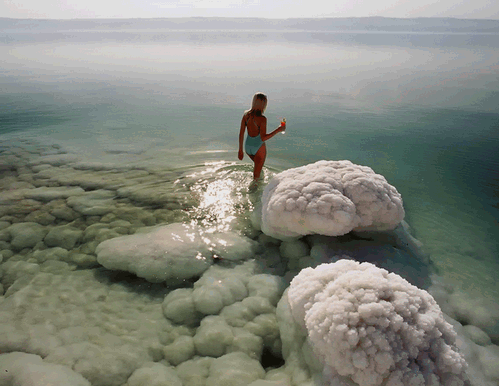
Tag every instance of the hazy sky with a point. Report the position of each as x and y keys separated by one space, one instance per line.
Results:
x=67 y=9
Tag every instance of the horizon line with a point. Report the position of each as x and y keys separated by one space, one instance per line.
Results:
x=252 y=18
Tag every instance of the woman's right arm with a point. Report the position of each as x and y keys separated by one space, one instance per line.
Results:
x=240 y=154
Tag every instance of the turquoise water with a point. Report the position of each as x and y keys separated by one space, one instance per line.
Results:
x=420 y=109
x=444 y=161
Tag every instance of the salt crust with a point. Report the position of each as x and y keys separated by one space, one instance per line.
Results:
x=241 y=313
x=77 y=319
x=233 y=369
x=171 y=253
x=154 y=374
x=480 y=312
x=106 y=332
x=28 y=369
x=483 y=361
x=330 y=198
x=104 y=355
x=373 y=326
x=220 y=287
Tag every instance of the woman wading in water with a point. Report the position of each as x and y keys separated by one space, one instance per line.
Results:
x=256 y=123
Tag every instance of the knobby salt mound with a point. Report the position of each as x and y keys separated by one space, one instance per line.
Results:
x=374 y=327
x=330 y=198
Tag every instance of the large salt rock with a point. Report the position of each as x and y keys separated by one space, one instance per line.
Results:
x=374 y=327
x=330 y=198
x=172 y=252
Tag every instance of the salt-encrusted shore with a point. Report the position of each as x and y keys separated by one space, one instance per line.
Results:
x=62 y=313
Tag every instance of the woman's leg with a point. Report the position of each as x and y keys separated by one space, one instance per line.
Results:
x=259 y=160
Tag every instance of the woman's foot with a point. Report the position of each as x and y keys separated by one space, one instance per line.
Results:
x=254 y=185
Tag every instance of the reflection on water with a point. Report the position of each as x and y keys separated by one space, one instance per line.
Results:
x=223 y=194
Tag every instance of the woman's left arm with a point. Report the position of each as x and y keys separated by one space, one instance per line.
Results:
x=263 y=130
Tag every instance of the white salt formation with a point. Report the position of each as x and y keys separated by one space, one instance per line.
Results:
x=375 y=327
x=154 y=374
x=171 y=252
x=103 y=331
x=235 y=311
x=93 y=325
x=330 y=198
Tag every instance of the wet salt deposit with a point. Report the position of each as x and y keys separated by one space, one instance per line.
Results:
x=133 y=276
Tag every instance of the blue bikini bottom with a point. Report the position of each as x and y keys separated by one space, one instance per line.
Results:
x=252 y=144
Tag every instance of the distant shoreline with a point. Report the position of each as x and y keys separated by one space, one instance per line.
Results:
x=374 y=24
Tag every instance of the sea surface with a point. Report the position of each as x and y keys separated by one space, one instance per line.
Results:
x=422 y=109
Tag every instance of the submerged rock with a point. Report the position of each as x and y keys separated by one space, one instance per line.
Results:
x=95 y=203
x=63 y=236
x=41 y=217
x=26 y=234
x=46 y=194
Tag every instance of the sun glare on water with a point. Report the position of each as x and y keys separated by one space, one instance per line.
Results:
x=221 y=189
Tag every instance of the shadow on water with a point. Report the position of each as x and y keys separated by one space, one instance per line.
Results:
x=131 y=282
x=396 y=251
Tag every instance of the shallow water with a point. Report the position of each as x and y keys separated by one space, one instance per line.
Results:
x=154 y=118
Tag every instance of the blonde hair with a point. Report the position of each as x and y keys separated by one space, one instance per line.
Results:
x=258 y=105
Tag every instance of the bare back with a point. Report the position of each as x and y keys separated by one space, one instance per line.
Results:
x=254 y=124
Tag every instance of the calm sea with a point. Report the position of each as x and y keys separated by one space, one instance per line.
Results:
x=421 y=109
